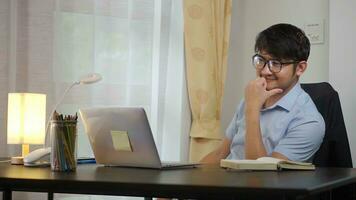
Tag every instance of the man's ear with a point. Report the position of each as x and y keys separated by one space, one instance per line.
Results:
x=301 y=67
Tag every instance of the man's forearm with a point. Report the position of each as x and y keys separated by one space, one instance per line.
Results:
x=254 y=147
x=212 y=158
x=220 y=153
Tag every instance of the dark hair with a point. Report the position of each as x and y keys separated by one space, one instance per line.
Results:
x=284 y=41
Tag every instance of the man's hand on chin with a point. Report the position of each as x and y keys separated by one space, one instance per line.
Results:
x=256 y=93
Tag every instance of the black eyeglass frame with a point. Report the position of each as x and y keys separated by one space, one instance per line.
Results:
x=269 y=63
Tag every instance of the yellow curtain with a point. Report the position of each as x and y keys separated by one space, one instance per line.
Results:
x=207 y=32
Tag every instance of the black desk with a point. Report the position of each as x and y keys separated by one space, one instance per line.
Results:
x=203 y=182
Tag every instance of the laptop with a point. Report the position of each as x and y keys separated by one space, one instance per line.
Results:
x=121 y=136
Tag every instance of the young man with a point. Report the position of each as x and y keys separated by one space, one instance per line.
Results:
x=276 y=118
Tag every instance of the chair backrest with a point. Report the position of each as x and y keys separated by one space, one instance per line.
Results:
x=334 y=150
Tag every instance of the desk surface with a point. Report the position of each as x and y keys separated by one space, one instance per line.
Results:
x=201 y=182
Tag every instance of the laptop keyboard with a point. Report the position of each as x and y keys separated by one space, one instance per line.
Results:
x=179 y=165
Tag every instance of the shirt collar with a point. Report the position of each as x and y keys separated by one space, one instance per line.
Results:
x=288 y=100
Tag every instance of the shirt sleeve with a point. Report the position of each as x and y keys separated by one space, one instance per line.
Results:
x=303 y=138
x=233 y=126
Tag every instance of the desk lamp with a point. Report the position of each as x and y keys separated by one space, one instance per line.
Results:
x=26 y=118
x=39 y=153
x=88 y=79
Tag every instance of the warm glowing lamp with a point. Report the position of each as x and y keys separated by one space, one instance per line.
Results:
x=26 y=119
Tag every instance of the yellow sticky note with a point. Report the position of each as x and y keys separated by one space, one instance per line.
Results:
x=121 y=141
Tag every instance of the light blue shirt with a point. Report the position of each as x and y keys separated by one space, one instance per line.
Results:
x=292 y=127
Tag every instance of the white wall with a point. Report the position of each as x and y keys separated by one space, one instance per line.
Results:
x=343 y=63
x=4 y=61
x=249 y=17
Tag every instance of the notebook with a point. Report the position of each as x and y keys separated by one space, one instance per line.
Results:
x=266 y=163
x=121 y=136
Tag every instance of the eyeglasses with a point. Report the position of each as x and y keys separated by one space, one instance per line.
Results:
x=274 y=66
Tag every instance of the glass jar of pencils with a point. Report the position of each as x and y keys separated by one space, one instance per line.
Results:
x=64 y=144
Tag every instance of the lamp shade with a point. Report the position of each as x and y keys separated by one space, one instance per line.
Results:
x=26 y=118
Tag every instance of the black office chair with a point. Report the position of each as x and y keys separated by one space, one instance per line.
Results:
x=334 y=150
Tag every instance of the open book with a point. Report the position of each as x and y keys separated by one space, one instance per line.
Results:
x=266 y=163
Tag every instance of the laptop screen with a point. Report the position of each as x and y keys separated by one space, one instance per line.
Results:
x=120 y=136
